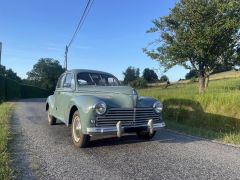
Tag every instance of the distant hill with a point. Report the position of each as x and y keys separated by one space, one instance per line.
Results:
x=217 y=76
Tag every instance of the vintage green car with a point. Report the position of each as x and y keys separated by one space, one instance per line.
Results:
x=94 y=103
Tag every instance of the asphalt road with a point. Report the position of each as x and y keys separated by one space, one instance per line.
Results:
x=40 y=151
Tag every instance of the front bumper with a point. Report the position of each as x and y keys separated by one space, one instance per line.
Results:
x=119 y=129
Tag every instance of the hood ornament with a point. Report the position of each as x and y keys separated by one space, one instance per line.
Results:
x=134 y=97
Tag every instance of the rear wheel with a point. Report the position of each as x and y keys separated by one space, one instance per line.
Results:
x=145 y=135
x=79 y=139
x=51 y=119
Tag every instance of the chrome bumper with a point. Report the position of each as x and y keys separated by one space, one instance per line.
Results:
x=119 y=130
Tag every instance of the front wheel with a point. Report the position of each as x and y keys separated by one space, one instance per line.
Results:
x=145 y=135
x=79 y=139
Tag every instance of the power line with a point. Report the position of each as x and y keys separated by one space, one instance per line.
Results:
x=80 y=24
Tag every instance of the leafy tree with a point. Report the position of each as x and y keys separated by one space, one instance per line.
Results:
x=163 y=78
x=191 y=74
x=149 y=75
x=45 y=73
x=12 y=75
x=131 y=74
x=9 y=73
x=139 y=83
x=198 y=35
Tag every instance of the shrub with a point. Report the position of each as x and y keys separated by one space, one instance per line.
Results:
x=10 y=89
x=139 y=83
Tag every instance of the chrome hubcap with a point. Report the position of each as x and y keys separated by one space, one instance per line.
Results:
x=76 y=128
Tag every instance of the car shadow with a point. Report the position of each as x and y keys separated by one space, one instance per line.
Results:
x=162 y=136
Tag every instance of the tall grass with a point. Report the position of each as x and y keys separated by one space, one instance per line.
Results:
x=5 y=112
x=214 y=114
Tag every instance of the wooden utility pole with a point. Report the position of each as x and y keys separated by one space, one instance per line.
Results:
x=66 y=56
x=0 y=53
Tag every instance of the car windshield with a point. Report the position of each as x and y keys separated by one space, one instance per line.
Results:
x=86 y=78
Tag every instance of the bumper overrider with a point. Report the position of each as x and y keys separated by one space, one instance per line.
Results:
x=119 y=129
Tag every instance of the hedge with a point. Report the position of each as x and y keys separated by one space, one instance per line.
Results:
x=10 y=89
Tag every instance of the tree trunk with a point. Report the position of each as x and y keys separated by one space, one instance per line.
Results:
x=202 y=86
x=207 y=82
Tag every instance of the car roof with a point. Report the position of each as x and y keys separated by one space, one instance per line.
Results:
x=76 y=71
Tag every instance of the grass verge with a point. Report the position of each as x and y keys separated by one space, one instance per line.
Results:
x=5 y=114
x=214 y=114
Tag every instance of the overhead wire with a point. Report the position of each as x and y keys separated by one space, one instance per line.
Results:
x=81 y=21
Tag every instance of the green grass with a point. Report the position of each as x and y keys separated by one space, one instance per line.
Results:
x=5 y=113
x=215 y=114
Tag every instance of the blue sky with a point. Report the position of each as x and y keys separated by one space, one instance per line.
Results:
x=111 y=39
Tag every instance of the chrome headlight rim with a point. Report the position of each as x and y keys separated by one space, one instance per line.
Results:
x=100 y=108
x=158 y=107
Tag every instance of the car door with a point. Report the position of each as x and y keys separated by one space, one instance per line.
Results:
x=65 y=95
x=57 y=97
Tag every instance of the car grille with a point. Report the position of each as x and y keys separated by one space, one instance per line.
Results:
x=129 y=117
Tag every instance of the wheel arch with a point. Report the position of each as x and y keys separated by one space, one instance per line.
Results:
x=73 y=109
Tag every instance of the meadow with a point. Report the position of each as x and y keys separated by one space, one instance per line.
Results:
x=5 y=114
x=214 y=114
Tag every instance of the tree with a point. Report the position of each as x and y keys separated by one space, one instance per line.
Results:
x=163 y=78
x=139 y=83
x=45 y=73
x=191 y=74
x=149 y=75
x=198 y=35
x=131 y=74
x=9 y=73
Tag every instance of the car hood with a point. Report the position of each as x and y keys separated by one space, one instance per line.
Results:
x=127 y=90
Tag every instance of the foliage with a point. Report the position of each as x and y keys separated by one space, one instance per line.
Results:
x=5 y=112
x=139 y=83
x=45 y=73
x=149 y=75
x=131 y=74
x=8 y=73
x=191 y=74
x=198 y=35
x=163 y=78
x=216 y=111
x=11 y=89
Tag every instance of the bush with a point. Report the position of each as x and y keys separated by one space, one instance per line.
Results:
x=193 y=79
x=139 y=83
x=2 y=88
x=10 y=89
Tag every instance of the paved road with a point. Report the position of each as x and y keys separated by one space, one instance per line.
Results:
x=41 y=151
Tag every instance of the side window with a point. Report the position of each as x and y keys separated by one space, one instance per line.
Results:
x=60 y=81
x=112 y=81
x=69 y=81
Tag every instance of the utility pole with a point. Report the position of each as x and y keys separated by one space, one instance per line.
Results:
x=66 y=53
x=0 y=53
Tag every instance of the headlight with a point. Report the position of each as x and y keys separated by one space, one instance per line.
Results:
x=100 y=108
x=157 y=106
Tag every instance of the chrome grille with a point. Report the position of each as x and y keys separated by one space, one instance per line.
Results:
x=128 y=116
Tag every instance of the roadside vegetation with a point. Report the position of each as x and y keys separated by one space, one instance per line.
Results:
x=5 y=114
x=214 y=114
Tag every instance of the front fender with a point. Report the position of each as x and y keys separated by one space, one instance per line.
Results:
x=50 y=103
x=84 y=105
x=146 y=101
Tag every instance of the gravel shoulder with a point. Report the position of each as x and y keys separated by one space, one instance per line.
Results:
x=40 y=151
